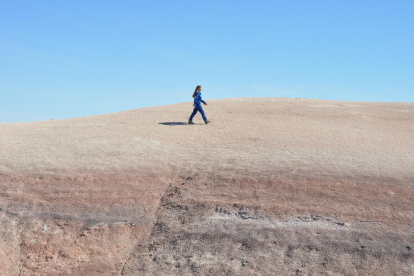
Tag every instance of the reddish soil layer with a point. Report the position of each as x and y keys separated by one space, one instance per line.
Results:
x=273 y=186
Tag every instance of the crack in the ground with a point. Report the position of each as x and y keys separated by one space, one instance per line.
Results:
x=170 y=190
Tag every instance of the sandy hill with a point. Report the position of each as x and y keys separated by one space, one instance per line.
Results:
x=273 y=186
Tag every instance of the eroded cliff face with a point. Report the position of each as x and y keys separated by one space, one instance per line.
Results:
x=275 y=226
x=75 y=225
x=271 y=187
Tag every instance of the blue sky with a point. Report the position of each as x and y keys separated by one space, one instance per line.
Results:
x=65 y=59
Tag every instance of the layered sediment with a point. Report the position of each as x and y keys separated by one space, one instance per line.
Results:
x=273 y=186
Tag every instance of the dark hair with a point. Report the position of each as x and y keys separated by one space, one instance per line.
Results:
x=196 y=90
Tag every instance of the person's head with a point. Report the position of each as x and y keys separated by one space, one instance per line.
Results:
x=198 y=88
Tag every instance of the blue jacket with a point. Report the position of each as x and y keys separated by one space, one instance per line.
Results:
x=198 y=100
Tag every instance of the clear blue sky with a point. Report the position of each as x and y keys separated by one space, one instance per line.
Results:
x=65 y=59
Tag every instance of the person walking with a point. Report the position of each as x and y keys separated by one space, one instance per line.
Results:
x=197 y=105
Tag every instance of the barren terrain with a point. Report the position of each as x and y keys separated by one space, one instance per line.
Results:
x=273 y=186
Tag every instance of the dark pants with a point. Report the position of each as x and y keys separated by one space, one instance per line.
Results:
x=200 y=109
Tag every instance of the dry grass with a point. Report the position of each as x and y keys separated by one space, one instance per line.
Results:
x=273 y=186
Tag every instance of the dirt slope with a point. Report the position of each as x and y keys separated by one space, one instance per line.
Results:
x=273 y=186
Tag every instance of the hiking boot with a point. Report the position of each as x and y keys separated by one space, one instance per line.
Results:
x=190 y=122
x=207 y=121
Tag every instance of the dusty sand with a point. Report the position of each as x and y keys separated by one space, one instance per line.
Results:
x=273 y=186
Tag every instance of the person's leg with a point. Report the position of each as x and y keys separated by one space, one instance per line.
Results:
x=194 y=113
x=202 y=113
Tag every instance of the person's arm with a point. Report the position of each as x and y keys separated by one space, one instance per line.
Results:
x=201 y=100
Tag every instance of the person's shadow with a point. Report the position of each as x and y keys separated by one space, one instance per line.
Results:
x=173 y=123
